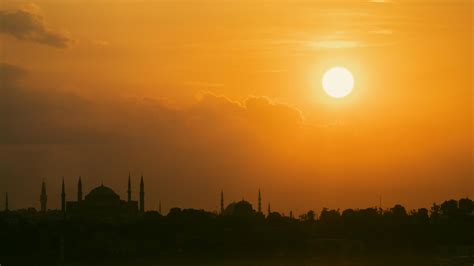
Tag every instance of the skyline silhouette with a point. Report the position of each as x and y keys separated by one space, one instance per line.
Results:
x=442 y=234
x=141 y=202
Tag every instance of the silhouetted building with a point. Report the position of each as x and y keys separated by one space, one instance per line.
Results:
x=102 y=202
x=259 y=201
x=129 y=189
x=6 y=201
x=222 y=201
x=79 y=190
x=63 y=198
x=142 y=195
x=43 y=197
x=269 y=209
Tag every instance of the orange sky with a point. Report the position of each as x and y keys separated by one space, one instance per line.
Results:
x=210 y=95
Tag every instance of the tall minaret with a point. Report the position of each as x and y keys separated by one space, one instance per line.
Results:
x=43 y=197
x=380 y=204
x=79 y=190
x=6 y=202
x=142 y=195
x=259 y=201
x=129 y=190
x=63 y=198
x=222 y=201
x=269 y=210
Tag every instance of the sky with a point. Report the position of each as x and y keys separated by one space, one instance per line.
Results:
x=204 y=96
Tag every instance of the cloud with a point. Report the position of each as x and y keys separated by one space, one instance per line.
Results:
x=273 y=70
x=100 y=42
x=269 y=113
x=381 y=32
x=189 y=153
x=335 y=44
x=255 y=111
x=34 y=116
x=330 y=43
x=381 y=1
x=203 y=84
x=28 y=24
x=10 y=74
x=53 y=116
x=46 y=132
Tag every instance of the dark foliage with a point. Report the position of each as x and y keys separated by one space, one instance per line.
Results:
x=239 y=230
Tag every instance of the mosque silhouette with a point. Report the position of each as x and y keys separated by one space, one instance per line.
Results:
x=101 y=201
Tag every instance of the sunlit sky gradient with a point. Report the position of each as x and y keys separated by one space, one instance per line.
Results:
x=208 y=95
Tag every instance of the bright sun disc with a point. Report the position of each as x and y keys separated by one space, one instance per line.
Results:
x=338 y=82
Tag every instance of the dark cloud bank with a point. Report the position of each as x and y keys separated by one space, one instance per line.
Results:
x=184 y=152
x=188 y=155
x=30 y=26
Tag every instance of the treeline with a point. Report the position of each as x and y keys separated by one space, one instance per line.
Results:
x=241 y=230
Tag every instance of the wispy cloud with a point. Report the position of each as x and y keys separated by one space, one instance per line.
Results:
x=381 y=31
x=202 y=84
x=276 y=70
x=326 y=43
x=334 y=44
x=100 y=42
x=382 y=1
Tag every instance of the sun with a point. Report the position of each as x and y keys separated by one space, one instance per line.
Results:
x=338 y=82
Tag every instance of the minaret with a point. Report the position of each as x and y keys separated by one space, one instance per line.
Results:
x=79 y=190
x=129 y=190
x=142 y=195
x=259 y=202
x=380 y=204
x=222 y=201
x=269 y=210
x=43 y=197
x=63 y=198
x=6 y=202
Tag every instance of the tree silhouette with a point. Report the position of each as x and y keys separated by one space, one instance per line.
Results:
x=239 y=230
x=308 y=217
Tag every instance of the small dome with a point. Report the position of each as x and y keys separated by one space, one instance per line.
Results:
x=102 y=193
x=241 y=208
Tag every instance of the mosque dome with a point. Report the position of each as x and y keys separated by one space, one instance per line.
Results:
x=102 y=193
x=241 y=208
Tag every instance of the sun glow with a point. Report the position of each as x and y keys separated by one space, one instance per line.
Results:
x=338 y=82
